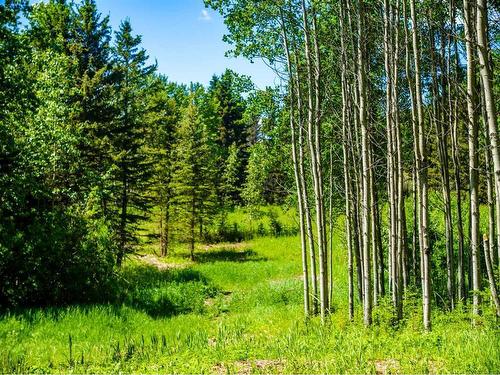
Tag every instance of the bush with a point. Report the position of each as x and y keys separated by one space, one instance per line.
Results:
x=54 y=258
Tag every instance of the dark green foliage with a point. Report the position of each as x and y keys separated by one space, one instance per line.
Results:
x=229 y=130
x=92 y=100
x=226 y=91
x=91 y=138
x=54 y=258
x=131 y=167
x=194 y=174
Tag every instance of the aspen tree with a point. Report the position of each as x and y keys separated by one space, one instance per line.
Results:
x=487 y=82
x=422 y=178
x=296 y=170
x=365 y=156
x=473 y=153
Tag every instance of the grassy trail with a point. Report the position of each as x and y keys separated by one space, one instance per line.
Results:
x=237 y=308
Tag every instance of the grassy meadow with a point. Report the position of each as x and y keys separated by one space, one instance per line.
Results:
x=237 y=309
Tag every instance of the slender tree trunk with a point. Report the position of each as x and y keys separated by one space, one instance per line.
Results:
x=489 y=189
x=473 y=154
x=298 y=184
x=314 y=146
x=317 y=135
x=355 y=151
x=443 y=165
x=347 y=167
x=390 y=142
x=417 y=238
x=304 y=189
x=422 y=174
x=366 y=185
x=330 y=230
x=398 y=167
x=487 y=85
x=192 y=225
x=166 y=239
x=374 y=243
x=491 y=205
x=123 y=220
x=390 y=54
x=380 y=250
x=491 y=276
x=162 y=238
x=453 y=92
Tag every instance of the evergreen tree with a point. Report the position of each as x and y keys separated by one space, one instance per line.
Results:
x=230 y=108
x=90 y=48
x=194 y=173
x=224 y=109
x=256 y=176
x=162 y=116
x=230 y=178
x=131 y=168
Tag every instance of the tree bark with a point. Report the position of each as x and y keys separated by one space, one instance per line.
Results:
x=453 y=94
x=473 y=154
x=422 y=174
x=443 y=163
x=347 y=167
x=366 y=167
x=314 y=150
x=491 y=277
x=487 y=85
x=296 y=170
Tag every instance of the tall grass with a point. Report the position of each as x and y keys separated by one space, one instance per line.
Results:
x=239 y=309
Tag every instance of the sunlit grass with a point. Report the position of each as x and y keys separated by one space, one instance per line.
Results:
x=239 y=309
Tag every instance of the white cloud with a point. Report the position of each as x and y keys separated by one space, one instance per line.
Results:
x=205 y=16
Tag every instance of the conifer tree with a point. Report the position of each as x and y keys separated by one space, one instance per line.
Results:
x=90 y=48
x=230 y=177
x=131 y=166
x=163 y=114
x=194 y=173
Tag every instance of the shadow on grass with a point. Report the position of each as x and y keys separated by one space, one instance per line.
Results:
x=158 y=293
x=228 y=255
x=163 y=293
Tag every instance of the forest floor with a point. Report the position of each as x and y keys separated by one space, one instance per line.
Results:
x=237 y=309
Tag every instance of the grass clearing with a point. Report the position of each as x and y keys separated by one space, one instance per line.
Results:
x=238 y=308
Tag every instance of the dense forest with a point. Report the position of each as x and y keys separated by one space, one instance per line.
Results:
x=374 y=162
x=394 y=98
x=93 y=139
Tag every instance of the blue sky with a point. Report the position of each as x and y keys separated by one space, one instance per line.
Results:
x=184 y=37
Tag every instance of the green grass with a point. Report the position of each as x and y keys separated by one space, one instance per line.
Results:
x=238 y=309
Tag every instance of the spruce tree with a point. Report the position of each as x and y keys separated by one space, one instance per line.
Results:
x=163 y=115
x=91 y=50
x=194 y=173
x=231 y=182
x=131 y=167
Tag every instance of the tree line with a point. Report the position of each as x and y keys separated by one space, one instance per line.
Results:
x=93 y=141
x=392 y=111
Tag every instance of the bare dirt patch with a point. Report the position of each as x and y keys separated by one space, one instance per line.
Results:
x=226 y=246
x=250 y=366
x=386 y=366
x=154 y=261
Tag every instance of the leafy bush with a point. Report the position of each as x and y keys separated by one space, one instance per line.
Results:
x=54 y=258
